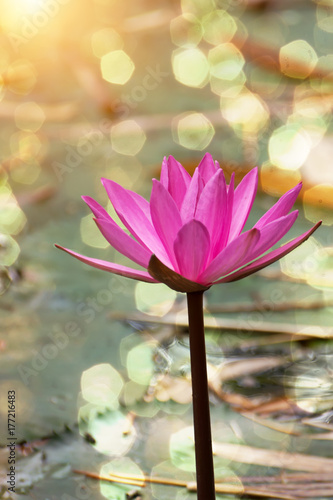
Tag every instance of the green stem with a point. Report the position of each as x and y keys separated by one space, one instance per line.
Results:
x=201 y=416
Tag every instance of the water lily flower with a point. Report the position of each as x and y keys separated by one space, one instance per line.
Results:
x=191 y=235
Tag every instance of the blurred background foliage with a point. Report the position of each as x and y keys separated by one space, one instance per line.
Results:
x=93 y=88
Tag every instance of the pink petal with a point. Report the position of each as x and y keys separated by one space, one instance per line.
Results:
x=111 y=267
x=211 y=208
x=231 y=258
x=207 y=167
x=272 y=233
x=117 y=238
x=142 y=203
x=228 y=216
x=175 y=179
x=98 y=211
x=165 y=216
x=281 y=207
x=130 y=212
x=243 y=201
x=164 y=177
x=192 y=195
x=123 y=243
x=192 y=247
x=269 y=258
x=175 y=166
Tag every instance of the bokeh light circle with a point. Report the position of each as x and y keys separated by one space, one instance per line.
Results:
x=246 y=113
x=190 y=67
x=101 y=384
x=117 y=67
x=193 y=131
x=318 y=203
x=127 y=137
x=226 y=61
x=218 y=26
x=185 y=31
x=297 y=59
x=104 y=40
x=29 y=116
x=289 y=147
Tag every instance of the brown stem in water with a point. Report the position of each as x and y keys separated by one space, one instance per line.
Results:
x=201 y=415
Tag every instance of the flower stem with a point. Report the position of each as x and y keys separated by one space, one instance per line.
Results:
x=201 y=416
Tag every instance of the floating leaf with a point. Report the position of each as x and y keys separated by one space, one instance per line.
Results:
x=109 y=430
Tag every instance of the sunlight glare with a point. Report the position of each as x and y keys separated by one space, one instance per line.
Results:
x=26 y=17
x=28 y=6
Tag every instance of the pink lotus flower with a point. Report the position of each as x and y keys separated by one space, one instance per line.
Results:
x=190 y=235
